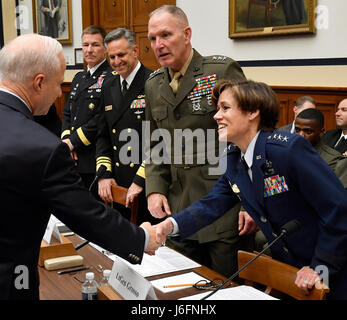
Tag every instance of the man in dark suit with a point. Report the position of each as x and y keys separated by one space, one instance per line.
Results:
x=301 y=104
x=337 y=138
x=81 y=111
x=119 y=141
x=38 y=175
x=278 y=178
x=50 y=10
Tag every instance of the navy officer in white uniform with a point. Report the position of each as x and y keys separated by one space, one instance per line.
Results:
x=278 y=177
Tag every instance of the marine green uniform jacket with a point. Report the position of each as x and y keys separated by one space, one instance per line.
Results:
x=184 y=176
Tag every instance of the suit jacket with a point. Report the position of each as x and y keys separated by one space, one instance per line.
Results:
x=334 y=159
x=80 y=115
x=305 y=189
x=39 y=178
x=286 y=128
x=184 y=182
x=331 y=136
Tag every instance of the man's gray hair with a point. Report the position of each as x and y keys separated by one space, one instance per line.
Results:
x=28 y=55
x=120 y=33
x=177 y=12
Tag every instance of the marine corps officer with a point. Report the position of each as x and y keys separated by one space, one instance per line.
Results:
x=79 y=126
x=122 y=113
x=178 y=96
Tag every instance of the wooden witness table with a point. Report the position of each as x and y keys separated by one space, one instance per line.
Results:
x=68 y=286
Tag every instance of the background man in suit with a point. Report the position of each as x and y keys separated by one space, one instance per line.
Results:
x=302 y=103
x=50 y=10
x=38 y=175
x=278 y=177
x=123 y=106
x=178 y=97
x=81 y=111
x=310 y=124
x=337 y=138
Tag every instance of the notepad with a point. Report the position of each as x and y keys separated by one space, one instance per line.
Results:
x=186 y=278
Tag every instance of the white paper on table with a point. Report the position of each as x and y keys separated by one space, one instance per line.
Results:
x=235 y=293
x=165 y=260
x=190 y=277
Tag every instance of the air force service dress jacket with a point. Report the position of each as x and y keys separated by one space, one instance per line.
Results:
x=298 y=185
x=39 y=178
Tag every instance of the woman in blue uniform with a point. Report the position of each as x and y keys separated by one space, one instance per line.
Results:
x=278 y=177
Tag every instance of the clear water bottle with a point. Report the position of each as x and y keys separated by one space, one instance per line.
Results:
x=106 y=277
x=89 y=287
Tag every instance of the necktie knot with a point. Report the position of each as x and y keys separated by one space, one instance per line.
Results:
x=174 y=84
x=124 y=87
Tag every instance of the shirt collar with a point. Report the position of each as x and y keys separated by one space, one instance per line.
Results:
x=248 y=156
x=92 y=70
x=132 y=75
x=4 y=90
x=185 y=66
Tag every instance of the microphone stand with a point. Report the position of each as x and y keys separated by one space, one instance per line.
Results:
x=283 y=233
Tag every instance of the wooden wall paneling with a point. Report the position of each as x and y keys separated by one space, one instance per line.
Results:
x=327 y=99
x=284 y=106
x=113 y=14
x=90 y=13
x=60 y=102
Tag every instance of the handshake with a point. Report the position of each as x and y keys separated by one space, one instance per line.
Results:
x=157 y=234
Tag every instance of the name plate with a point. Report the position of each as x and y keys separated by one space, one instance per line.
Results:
x=128 y=283
x=52 y=230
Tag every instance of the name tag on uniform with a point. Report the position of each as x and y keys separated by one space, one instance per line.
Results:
x=108 y=108
x=274 y=185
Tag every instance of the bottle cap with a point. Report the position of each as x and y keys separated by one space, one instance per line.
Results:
x=107 y=273
x=90 y=275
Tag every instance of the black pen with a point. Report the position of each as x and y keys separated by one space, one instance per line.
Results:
x=73 y=269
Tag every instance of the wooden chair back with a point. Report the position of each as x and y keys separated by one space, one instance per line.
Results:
x=119 y=195
x=276 y=276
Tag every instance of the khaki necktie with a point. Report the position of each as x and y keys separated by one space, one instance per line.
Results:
x=174 y=84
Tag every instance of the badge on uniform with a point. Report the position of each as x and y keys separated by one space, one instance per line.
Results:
x=204 y=88
x=274 y=185
x=98 y=84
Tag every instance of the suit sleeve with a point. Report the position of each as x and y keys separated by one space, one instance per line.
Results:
x=321 y=188
x=207 y=210
x=72 y=204
x=103 y=143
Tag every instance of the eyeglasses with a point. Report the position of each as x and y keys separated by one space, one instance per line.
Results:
x=205 y=285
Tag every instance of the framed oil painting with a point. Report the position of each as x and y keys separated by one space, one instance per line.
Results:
x=254 y=18
x=53 y=18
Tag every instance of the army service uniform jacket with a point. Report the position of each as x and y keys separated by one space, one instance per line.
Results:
x=191 y=108
x=301 y=186
x=39 y=178
x=80 y=115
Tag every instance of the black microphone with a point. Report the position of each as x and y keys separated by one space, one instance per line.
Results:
x=99 y=174
x=286 y=230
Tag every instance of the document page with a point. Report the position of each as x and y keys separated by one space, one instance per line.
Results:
x=165 y=260
x=235 y=293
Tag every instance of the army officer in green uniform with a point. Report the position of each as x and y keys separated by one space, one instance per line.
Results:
x=178 y=97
